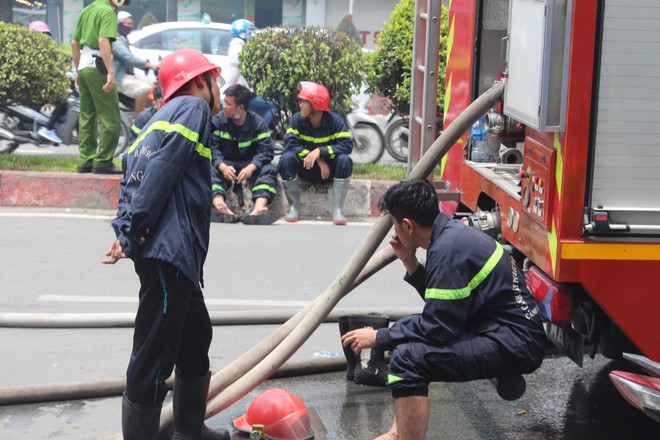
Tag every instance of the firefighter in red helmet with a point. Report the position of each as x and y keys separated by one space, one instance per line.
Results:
x=162 y=224
x=317 y=148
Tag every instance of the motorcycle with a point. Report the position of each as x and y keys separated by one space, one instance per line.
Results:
x=20 y=124
x=396 y=137
x=368 y=139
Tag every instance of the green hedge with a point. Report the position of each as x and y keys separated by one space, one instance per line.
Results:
x=274 y=60
x=32 y=66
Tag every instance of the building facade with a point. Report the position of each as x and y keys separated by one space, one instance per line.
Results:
x=60 y=15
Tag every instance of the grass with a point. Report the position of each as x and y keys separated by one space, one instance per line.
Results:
x=14 y=162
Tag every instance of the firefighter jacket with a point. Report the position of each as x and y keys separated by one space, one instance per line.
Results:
x=470 y=285
x=167 y=188
x=332 y=137
x=250 y=142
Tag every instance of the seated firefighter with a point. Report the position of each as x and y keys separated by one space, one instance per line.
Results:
x=242 y=152
x=317 y=146
x=479 y=319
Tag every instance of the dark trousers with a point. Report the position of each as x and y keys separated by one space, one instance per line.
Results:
x=291 y=165
x=262 y=181
x=172 y=326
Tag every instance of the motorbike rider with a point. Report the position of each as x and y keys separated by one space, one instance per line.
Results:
x=162 y=223
x=317 y=147
x=48 y=132
x=124 y=62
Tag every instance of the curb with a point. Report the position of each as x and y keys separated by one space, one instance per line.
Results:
x=36 y=189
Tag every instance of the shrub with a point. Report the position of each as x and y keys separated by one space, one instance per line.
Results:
x=274 y=60
x=392 y=65
x=32 y=66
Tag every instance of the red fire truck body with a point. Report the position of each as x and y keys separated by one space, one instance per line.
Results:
x=575 y=189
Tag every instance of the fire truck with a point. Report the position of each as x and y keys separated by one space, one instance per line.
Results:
x=565 y=169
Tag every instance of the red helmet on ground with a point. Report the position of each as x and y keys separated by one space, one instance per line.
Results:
x=179 y=67
x=316 y=94
x=281 y=413
x=39 y=26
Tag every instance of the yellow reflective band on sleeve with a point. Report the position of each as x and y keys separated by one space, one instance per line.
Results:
x=391 y=378
x=135 y=129
x=184 y=131
x=331 y=152
x=303 y=153
x=264 y=187
x=217 y=187
x=251 y=141
x=223 y=135
x=452 y=294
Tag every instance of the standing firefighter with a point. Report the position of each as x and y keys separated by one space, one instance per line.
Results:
x=317 y=147
x=163 y=225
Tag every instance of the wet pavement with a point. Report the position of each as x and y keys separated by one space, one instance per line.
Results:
x=51 y=264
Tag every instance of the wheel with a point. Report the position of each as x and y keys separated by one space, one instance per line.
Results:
x=7 y=147
x=395 y=144
x=368 y=143
x=124 y=137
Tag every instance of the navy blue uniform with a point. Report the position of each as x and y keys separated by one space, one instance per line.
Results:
x=164 y=197
x=239 y=146
x=332 y=138
x=479 y=319
x=140 y=122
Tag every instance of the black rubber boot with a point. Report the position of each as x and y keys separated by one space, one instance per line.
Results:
x=370 y=368
x=348 y=352
x=189 y=401
x=139 y=422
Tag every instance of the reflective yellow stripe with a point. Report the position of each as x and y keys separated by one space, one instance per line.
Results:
x=135 y=129
x=451 y=294
x=218 y=188
x=303 y=153
x=251 y=141
x=319 y=140
x=223 y=134
x=391 y=378
x=184 y=131
x=264 y=187
x=589 y=251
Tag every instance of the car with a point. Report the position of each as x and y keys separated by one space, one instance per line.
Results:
x=156 y=41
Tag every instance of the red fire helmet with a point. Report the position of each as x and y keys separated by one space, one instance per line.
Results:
x=179 y=67
x=281 y=413
x=316 y=94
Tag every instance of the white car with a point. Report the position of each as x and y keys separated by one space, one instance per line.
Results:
x=156 y=41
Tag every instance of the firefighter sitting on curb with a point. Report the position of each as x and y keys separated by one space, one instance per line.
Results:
x=479 y=319
x=242 y=152
x=163 y=224
x=317 y=146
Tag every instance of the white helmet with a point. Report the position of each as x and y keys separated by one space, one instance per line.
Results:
x=122 y=16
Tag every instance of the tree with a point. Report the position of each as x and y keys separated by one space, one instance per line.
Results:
x=32 y=66
x=274 y=60
x=392 y=64
x=347 y=26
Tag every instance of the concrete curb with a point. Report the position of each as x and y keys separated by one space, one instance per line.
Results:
x=34 y=189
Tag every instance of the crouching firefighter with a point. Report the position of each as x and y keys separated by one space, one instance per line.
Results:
x=317 y=147
x=163 y=224
x=479 y=320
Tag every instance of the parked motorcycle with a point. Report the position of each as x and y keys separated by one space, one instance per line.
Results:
x=368 y=139
x=396 y=137
x=20 y=124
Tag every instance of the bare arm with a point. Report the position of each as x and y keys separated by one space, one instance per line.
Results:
x=106 y=53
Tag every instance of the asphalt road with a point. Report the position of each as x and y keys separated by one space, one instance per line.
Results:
x=50 y=263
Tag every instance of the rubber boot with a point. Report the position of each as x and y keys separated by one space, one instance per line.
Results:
x=371 y=367
x=292 y=191
x=339 y=190
x=139 y=422
x=348 y=352
x=189 y=401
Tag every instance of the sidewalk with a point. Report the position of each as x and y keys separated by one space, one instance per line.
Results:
x=33 y=189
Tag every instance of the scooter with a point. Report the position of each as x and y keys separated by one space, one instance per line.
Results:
x=368 y=139
x=20 y=124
